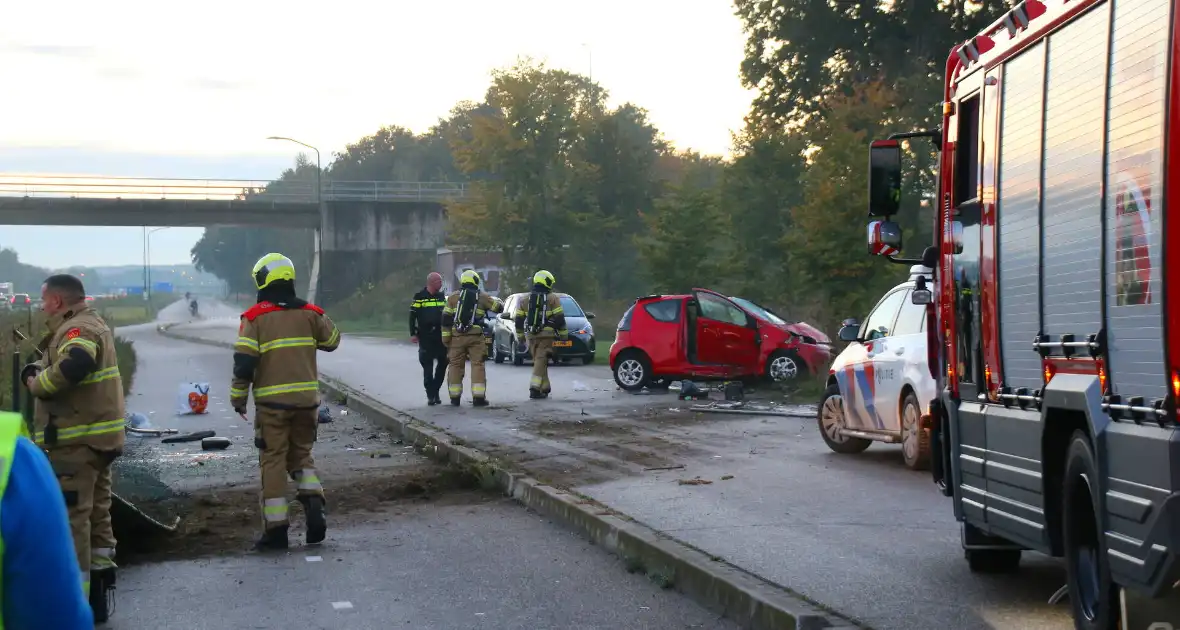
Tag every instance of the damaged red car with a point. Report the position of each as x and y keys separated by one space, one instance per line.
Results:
x=705 y=335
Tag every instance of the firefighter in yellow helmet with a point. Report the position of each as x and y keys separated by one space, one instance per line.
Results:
x=463 y=324
x=540 y=319
x=275 y=354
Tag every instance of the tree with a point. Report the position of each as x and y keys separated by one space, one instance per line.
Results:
x=833 y=276
x=799 y=52
x=680 y=248
x=230 y=252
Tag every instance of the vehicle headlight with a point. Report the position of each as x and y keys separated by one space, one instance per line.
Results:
x=585 y=330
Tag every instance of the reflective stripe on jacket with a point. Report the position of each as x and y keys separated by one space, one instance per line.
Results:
x=275 y=354
x=79 y=390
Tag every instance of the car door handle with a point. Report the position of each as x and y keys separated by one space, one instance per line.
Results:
x=898 y=350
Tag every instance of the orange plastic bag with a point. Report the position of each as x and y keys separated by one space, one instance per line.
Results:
x=192 y=398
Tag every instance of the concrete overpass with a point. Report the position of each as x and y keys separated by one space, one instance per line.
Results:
x=130 y=201
x=362 y=230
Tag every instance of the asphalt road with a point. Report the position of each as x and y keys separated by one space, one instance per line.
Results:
x=477 y=563
x=860 y=534
x=462 y=561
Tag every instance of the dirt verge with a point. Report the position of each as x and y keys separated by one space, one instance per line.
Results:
x=225 y=521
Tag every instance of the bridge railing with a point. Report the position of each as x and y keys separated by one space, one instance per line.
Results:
x=81 y=187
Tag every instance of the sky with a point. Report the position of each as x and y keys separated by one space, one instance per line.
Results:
x=148 y=89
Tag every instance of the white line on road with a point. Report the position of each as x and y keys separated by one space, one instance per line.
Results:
x=341 y=605
x=313 y=559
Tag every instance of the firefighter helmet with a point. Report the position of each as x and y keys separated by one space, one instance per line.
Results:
x=272 y=268
x=470 y=277
x=544 y=278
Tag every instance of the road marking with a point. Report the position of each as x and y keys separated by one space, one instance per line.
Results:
x=313 y=559
x=341 y=605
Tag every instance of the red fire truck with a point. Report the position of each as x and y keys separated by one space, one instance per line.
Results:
x=1055 y=311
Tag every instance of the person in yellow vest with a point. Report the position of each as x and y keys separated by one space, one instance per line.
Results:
x=78 y=417
x=275 y=354
x=540 y=318
x=41 y=587
x=463 y=323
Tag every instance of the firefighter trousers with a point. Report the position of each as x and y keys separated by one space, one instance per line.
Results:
x=284 y=438
x=464 y=347
x=433 y=358
x=85 y=478
x=540 y=348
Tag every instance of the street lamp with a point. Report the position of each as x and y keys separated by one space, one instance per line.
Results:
x=313 y=281
x=147 y=262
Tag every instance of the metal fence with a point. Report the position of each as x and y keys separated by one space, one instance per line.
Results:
x=82 y=187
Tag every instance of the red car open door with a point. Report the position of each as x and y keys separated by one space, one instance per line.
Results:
x=726 y=335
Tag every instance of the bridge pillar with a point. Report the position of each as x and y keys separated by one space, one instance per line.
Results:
x=377 y=246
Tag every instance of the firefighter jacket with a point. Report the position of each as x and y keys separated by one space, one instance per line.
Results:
x=426 y=312
x=276 y=354
x=78 y=388
x=553 y=324
x=484 y=304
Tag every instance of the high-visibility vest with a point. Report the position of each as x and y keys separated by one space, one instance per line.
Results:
x=12 y=426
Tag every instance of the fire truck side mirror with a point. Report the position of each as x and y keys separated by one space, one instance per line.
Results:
x=884 y=238
x=921 y=294
x=884 y=178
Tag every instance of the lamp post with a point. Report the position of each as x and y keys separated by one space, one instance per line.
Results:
x=317 y=245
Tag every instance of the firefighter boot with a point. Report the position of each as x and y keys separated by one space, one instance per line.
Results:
x=455 y=402
x=535 y=393
x=317 y=522
x=479 y=402
x=272 y=539
x=102 y=593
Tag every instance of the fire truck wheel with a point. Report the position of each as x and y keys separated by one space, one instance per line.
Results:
x=915 y=443
x=1092 y=594
x=831 y=420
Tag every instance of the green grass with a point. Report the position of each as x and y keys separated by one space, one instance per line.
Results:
x=377 y=327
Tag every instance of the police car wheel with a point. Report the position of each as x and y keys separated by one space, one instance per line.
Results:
x=831 y=418
x=497 y=356
x=915 y=443
x=517 y=358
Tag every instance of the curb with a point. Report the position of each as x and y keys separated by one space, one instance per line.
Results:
x=732 y=592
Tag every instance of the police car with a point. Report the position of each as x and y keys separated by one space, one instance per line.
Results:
x=880 y=385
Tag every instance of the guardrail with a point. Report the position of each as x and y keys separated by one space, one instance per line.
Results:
x=81 y=187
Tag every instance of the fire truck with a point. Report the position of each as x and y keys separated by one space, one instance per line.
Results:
x=1054 y=313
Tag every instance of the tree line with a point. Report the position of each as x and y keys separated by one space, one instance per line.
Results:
x=559 y=177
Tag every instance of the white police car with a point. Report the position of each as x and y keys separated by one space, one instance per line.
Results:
x=880 y=385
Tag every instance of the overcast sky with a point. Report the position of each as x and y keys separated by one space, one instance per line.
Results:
x=144 y=89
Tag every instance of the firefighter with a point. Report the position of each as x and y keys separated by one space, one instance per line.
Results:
x=426 y=331
x=275 y=354
x=463 y=323
x=78 y=419
x=541 y=319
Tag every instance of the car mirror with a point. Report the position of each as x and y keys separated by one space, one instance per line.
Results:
x=849 y=330
x=921 y=294
x=589 y=315
x=505 y=315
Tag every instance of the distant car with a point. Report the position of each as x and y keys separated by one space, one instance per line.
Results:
x=702 y=335
x=810 y=357
x=880 y=385
x=580 y=345
x=20 y=300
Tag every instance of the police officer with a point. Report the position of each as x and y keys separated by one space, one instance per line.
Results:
x=41 y=588
x=540 y=318
x=78 y=418
x=275 y=354
x=463 y=323
x=426 y=331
